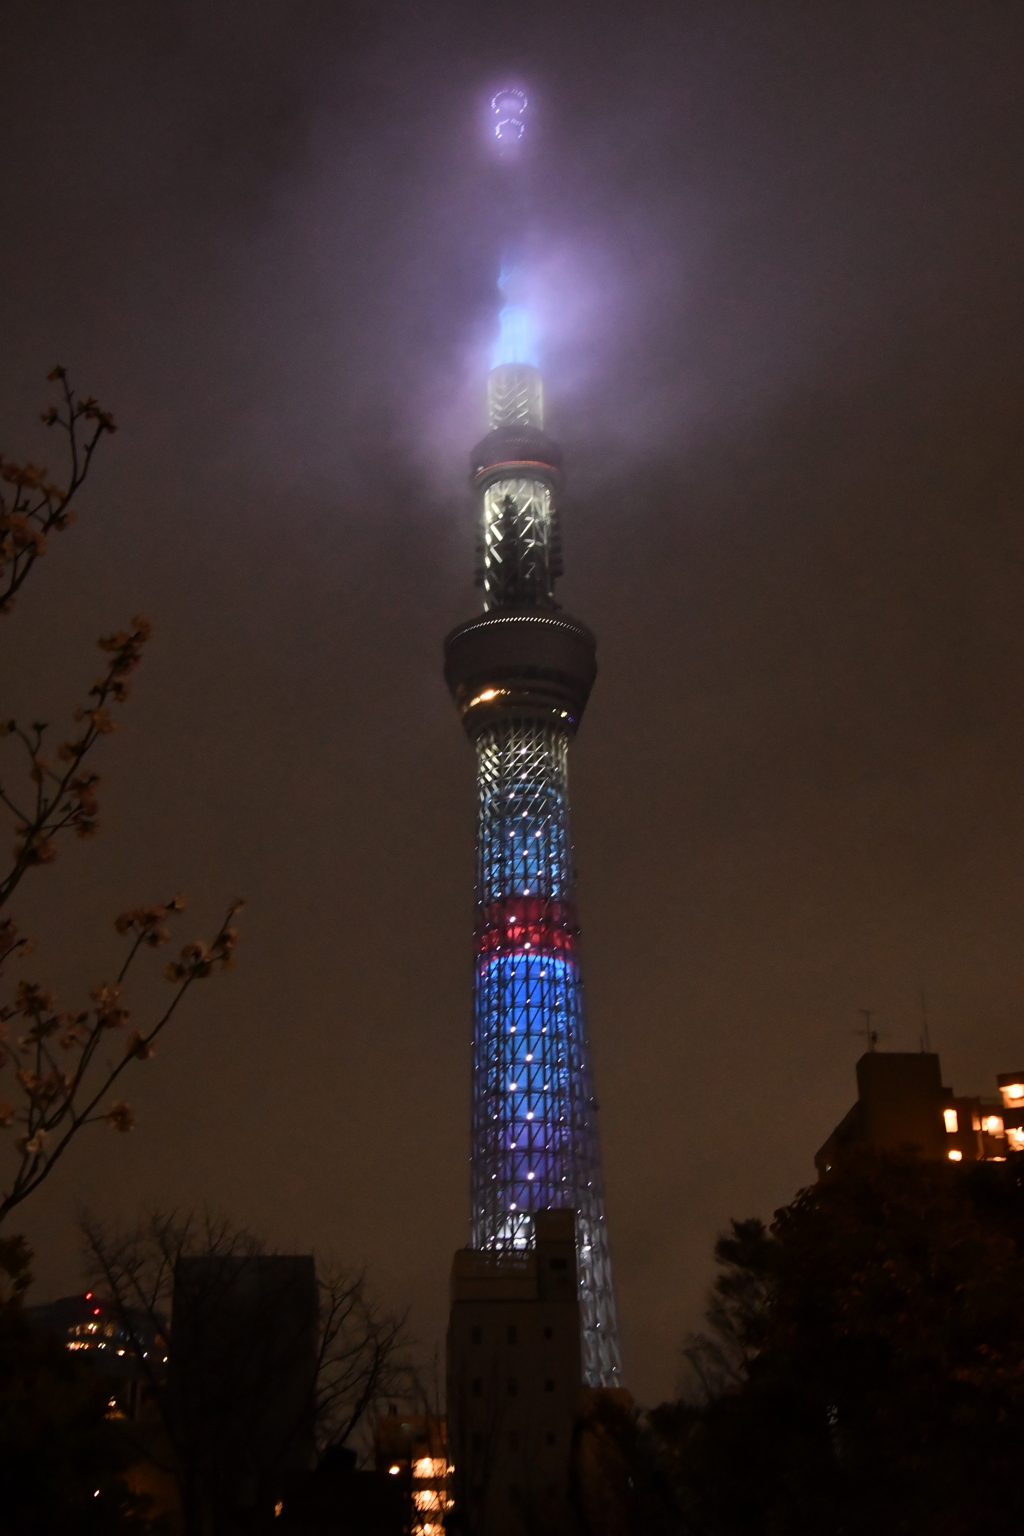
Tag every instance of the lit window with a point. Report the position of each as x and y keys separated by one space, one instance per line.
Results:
x=1013 y=1094
x=955 y=1156
x=1015 y=1136
x=394 y=1471
x=992 y=1125
x=952 y=1124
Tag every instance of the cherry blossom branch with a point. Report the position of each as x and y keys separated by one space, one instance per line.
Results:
x=31 y=506
x=64 y=799
x=58 y=1099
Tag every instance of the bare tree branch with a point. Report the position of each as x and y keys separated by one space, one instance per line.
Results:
x=356 y=1358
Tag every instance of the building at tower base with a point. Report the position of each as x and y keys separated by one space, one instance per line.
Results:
x=514 y=1382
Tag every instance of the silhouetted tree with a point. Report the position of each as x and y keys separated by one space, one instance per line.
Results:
x=236 y=1416
x=864 y=1364
x=618 y=1483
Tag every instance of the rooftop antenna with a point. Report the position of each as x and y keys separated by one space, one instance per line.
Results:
x=870 y=1035
x=926 y=1039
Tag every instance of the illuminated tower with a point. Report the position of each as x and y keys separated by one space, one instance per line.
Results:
x=521 y=674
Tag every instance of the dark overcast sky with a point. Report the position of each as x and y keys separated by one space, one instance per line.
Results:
x=778 y=250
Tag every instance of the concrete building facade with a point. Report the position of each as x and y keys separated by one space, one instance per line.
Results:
x=514 y=1373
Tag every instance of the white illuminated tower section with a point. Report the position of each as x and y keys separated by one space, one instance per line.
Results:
x=521 y=674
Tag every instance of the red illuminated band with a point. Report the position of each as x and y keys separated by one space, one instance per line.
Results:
x=527 y=925
x=505 y=465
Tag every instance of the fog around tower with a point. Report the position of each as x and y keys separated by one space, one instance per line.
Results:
x=772 y=252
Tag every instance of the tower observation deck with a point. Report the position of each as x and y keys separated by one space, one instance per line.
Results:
x=520 y=674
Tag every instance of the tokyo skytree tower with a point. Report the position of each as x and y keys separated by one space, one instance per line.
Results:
x=520 y=674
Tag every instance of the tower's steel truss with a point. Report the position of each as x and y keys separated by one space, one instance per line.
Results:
x=521 y=674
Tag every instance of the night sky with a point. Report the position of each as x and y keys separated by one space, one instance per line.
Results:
x=777 y=252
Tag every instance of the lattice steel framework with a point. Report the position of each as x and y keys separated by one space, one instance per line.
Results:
x=521 y=547
x=535 y=1142
x=515 y=394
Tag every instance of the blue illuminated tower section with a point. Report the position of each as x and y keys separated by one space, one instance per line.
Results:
x=521 y=674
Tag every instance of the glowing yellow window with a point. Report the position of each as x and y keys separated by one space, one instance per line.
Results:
x=955 y=1156
x=952 y=1123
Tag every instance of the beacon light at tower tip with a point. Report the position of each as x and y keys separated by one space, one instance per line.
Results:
x=509 y=107
x=521 y=673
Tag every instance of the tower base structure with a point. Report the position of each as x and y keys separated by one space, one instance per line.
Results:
x=514 y=1372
